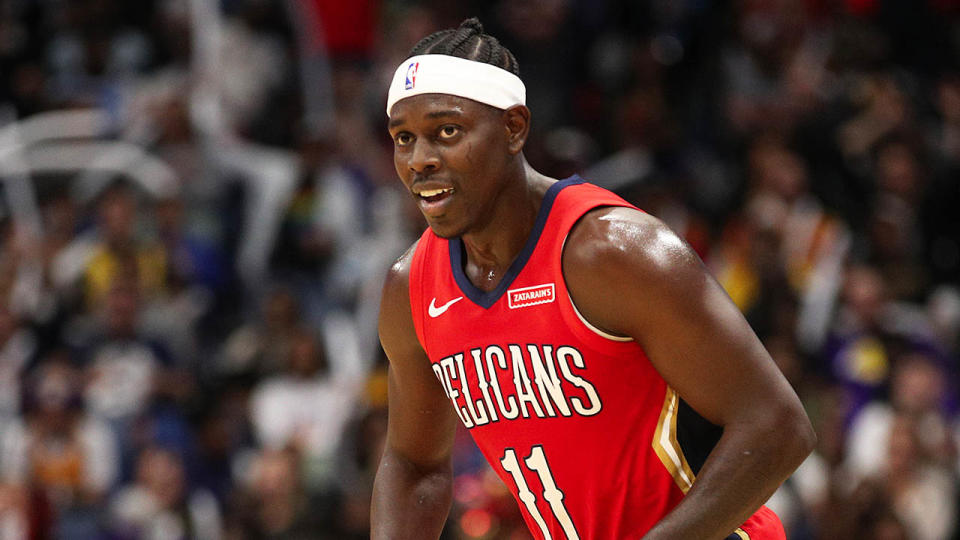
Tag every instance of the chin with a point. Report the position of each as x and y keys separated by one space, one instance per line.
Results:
x=445 y=230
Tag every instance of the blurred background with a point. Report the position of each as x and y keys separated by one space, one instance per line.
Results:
x=198 y=205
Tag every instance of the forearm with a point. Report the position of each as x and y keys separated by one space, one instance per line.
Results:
x=409 y=502
x=741 y=473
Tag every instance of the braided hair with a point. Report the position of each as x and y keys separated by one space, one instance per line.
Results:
x=469 y=42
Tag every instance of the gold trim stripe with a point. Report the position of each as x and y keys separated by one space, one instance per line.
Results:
x=742 y=534
x=667 y=447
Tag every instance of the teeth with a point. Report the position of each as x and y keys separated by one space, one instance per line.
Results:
x=434 y=192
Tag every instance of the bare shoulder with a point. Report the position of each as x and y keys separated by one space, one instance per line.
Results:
x=397 y=281
x=614 y=239
x=396 y=328
x=616 y=259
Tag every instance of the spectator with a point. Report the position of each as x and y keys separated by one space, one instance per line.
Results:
x=261 y=346
x=161 y=504
x=923 y=494
x=304 y=408
x=123 y=366
x=917 y=396
x=131 y=381
x=862 y=344
x=119 y=250
x=70 y=455
x=273 y=503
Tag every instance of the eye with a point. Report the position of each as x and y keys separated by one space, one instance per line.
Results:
x=403 y=138
x=449 y=131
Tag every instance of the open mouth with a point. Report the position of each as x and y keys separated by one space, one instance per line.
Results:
x=435 y=195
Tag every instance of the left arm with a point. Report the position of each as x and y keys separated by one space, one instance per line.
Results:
x=630 y=275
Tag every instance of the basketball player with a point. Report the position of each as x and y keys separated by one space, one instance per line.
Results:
x=606 y=377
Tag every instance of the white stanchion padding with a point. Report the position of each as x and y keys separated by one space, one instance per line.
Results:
x=444 y=74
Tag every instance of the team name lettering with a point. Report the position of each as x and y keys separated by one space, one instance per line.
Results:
x=490 y=384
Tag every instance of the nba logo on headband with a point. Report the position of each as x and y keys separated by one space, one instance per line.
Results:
x=411 y=75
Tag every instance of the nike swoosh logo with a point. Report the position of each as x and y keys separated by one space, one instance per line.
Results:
x=438 y=311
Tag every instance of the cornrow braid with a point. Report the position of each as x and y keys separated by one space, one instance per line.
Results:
x=468 y=41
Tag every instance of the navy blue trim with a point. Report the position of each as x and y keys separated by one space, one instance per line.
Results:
x=485 y=299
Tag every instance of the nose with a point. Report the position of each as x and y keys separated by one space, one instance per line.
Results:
x=424 y=158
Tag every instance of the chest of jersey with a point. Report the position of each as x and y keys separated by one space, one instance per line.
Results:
x=577 y=423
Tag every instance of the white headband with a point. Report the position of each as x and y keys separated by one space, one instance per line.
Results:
x=444 y=74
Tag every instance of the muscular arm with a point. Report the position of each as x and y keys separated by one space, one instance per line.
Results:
x=412 y=491
x=630 y=275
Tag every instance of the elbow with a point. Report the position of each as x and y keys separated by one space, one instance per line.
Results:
x=798 y=436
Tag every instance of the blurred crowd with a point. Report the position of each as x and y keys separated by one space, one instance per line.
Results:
x=198 y=204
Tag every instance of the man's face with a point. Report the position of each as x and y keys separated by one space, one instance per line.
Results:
x=452 y=154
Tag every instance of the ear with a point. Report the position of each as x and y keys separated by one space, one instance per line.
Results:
x=516 y=121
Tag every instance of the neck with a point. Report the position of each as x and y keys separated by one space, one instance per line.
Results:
x=492 y=249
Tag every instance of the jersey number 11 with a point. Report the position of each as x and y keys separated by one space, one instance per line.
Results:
x=537 y=462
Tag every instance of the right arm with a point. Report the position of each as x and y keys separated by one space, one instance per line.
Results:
x=412 y=490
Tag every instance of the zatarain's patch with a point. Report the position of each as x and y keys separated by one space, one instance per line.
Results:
x=531 y=296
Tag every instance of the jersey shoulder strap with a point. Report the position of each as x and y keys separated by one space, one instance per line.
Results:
x=571 y=204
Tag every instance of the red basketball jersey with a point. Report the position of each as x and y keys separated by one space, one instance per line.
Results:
x=589 y=438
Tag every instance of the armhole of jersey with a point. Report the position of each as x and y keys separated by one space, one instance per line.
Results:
x=590 y=326
x=416 y=290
